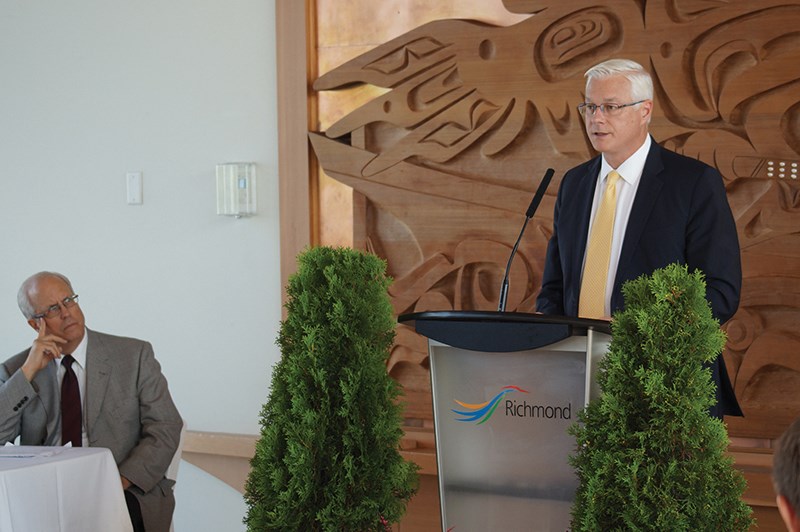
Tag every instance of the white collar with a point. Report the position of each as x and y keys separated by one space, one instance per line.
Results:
x=631 y=168
x=80 y=352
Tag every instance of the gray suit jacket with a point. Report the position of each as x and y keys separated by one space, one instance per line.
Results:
x=128 y=409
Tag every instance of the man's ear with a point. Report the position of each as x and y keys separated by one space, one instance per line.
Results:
x=34 y=324
x=789 y=514
x=647 y=110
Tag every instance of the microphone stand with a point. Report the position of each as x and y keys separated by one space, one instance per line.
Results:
x=537 y=199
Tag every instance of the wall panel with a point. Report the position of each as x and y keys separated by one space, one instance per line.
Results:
x=439 y=123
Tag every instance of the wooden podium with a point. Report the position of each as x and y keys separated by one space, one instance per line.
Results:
x=506 y=386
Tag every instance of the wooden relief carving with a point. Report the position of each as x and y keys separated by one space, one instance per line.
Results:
x=450 y=154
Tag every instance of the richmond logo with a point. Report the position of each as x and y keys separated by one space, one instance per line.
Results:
x=480 y=413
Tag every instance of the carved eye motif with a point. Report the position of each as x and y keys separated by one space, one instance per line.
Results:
x=574 y=43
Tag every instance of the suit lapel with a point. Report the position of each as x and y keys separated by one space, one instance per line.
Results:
x=98 y=373
x=584 y=206
x=583 y=213
x=646 y=196
x=576 y=219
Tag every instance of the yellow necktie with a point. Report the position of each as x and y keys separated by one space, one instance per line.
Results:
x=598 y=252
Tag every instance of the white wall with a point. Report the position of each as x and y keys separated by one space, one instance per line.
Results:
x=92 y=89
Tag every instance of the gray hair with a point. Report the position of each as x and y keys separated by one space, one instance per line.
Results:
x=639 y=78
x=786 y=465
x=24 y=293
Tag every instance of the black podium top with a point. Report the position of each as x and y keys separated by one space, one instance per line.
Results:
x=499 y=331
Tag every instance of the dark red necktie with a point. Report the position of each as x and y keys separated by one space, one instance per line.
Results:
x=70 y=405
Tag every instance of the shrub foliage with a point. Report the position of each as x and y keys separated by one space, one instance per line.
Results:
x=328 y=456
x=649 y=456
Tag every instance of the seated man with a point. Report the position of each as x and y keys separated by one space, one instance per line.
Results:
x=786 y=474
x=78 y=386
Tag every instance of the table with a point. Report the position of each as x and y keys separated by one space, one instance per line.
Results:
x=60 y=488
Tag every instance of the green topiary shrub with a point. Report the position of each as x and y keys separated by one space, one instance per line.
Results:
x=649 y=457
x=328 y=456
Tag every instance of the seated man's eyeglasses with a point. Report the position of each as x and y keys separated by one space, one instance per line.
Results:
x=53 y=310
x=608 y=109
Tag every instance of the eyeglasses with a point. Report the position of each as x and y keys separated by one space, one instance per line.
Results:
x=52 y=310
x=608 y=109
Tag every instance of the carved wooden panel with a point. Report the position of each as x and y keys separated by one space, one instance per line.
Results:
x=457 y=120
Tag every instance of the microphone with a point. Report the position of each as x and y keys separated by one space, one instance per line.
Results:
x=537 y=199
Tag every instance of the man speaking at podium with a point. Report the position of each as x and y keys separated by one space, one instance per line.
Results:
x=635 y=208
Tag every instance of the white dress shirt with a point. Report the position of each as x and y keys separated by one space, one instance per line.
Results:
x=631 y=172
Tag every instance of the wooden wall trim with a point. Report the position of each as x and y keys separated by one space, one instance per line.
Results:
x=227 y=456
x=296 y=50
x=221 y=455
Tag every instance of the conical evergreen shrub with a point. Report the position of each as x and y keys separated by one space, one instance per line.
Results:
x=328 y=456
x=649 y=456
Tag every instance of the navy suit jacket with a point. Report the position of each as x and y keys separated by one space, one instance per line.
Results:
x=680 y=215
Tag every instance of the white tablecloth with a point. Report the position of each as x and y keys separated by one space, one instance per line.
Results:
x=59 y=489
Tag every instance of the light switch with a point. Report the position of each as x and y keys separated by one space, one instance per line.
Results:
x=134 y=185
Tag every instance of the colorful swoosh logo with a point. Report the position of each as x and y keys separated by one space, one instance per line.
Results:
x=483 y=411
